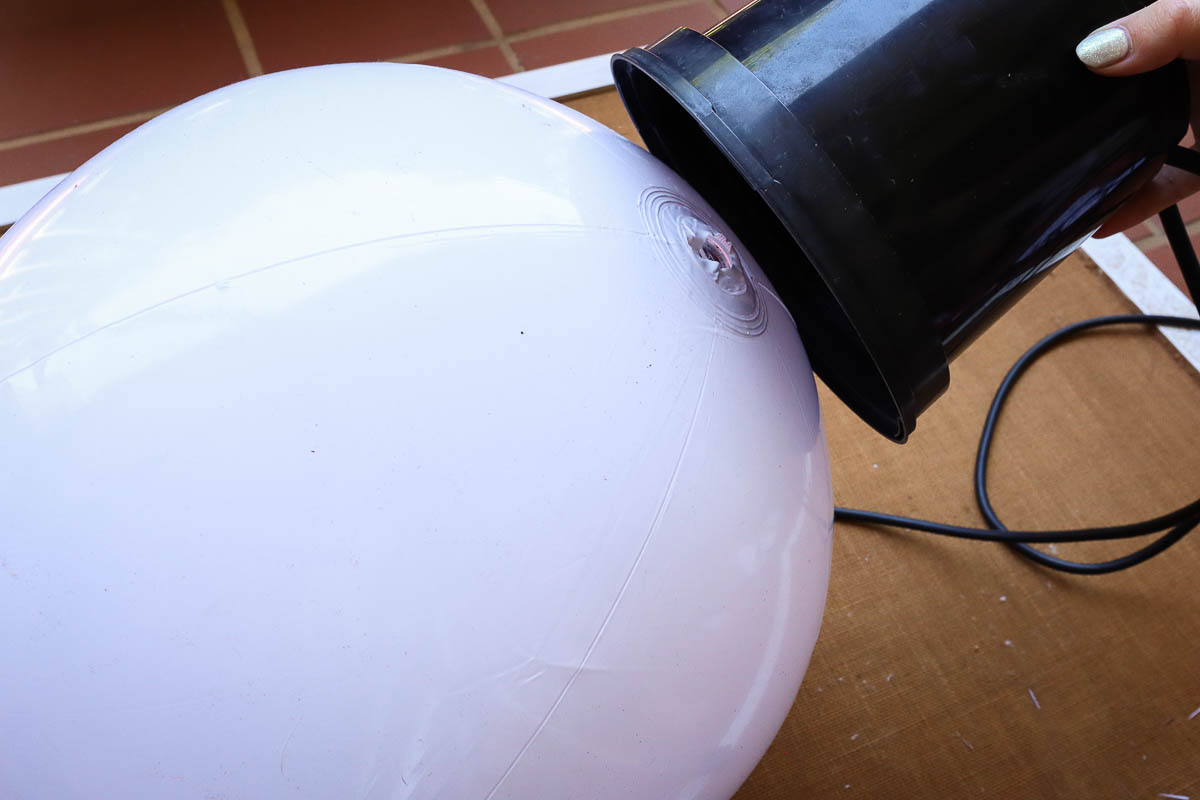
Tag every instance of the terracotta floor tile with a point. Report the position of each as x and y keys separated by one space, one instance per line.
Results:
x=733 y=5
x=301 y=33
x=515 y=16
x=50 y=158
x=487 y=61
x=94 y=67
x=1189 y=207
x=1139 y=232
x=28 y=15
x=554 y=48
x=1164 y=259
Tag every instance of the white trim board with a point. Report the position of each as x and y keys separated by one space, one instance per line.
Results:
x=562 y=80
x=1147 y=287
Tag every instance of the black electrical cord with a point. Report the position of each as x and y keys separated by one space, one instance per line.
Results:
x=1176 y=524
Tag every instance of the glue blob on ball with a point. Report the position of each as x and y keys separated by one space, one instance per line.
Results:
x=379 y=431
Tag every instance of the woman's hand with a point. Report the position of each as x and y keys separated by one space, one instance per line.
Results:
x=1151 y=38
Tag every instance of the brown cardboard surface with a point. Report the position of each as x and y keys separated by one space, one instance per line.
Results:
x=955 y=669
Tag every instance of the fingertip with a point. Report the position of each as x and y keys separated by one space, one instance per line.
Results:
x=1105 y=48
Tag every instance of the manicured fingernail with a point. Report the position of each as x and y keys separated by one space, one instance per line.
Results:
x=1104 y=48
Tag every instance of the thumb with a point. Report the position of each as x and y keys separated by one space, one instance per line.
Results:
x=1148 y=39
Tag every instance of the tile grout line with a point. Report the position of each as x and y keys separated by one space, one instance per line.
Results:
x=489 y=22
x=1147 y=243
x=76 y=130
x=245 y=46
x=501 y=41
x=241 y=35
x=441 y=52
x=1151 y=239
x=595 y=19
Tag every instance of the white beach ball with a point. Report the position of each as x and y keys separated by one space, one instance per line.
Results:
x=381 y=431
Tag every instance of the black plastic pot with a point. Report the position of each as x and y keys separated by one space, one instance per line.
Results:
x=902 y=169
